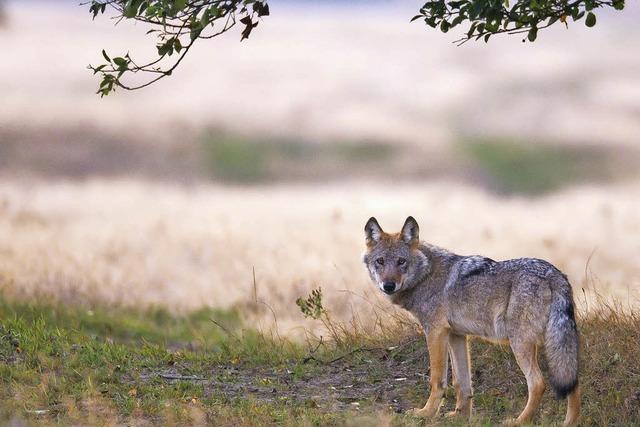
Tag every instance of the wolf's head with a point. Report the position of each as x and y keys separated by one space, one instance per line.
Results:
x=394 y=261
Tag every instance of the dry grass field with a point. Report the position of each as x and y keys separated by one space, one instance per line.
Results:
x=184 y=247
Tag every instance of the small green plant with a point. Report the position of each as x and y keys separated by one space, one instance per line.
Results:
x=311 y=307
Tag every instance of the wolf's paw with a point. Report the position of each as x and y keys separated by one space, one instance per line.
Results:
x=510 y=422
x=459 y=412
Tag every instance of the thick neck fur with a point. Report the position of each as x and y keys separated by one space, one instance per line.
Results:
x=428 y=288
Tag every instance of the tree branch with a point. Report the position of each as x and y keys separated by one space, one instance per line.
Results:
x=173 y=22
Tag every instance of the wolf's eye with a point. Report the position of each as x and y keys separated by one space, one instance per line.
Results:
x=380 y=261
x=402 y=261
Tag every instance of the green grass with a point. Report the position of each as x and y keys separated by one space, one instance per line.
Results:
x=535 y=168
x=70 y=365
x=64 y=361
x=241 y=160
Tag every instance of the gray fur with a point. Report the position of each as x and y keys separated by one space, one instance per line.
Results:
x=526 y=302
x=561 y=340
x=372 y=231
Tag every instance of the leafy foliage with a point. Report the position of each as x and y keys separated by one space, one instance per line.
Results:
x=177 y=24
x=490 y=17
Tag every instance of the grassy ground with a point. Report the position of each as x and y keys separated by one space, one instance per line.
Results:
x=107 y=366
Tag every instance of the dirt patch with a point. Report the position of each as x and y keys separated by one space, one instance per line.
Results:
x=334 y=388
x=373 y=379
x=379 y=380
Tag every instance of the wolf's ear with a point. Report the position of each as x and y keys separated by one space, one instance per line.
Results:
x=372 y=231
x=410 y=231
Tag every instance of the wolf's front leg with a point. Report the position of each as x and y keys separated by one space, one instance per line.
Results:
x=437 y=341
x=461 y=366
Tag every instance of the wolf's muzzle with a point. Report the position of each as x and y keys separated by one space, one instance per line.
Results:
x=389 y=287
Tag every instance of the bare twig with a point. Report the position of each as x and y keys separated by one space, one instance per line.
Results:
x=349 y=353
x=225 y=330
x=181 y=377
x=255 y=286
x=311 y=352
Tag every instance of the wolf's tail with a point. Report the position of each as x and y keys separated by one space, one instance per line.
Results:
x=561 y=339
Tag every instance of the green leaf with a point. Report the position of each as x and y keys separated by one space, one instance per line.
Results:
x=105 y=55
x=166 y=48
x=472 y=29
x=262 y=9
x=206 y=18
x=131 y=8
x=120 y=62
x=533 y=34
x=152 y=10
x=618 y=4
x=196 y=29
x=457 y=20
x=591 y=20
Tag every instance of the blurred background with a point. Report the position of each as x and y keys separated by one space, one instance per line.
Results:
x=245 y=179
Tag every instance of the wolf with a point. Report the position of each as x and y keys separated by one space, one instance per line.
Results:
x=526 y=303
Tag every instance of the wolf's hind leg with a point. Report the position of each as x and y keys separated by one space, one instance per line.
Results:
x=573 y=408
x=437 y=341
x=527 y=357
x=461 y=367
